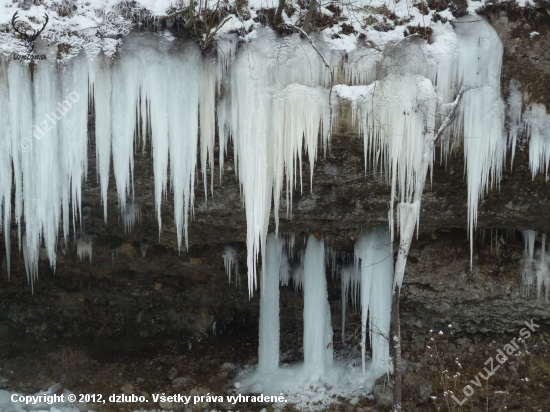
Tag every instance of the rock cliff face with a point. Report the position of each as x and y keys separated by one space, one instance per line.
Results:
x=139 y=297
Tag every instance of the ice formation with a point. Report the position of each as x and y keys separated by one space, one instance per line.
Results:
x=84 y=248
x=230 y=261
x=515 y=125
x=393 y=116
x=317 y=320
x=421 y=81
x=131 y=215
x=207 y=113
x=266 y=99
x=535 y=265
x=47 y=146
x=320 y=377
x=31 y=263
x=298 y=276
x=482 y=111
x=374 y=262
x=5 y=165
x=537 y=123
x=284 y=270
x=294 y=108
x=268 y=350
x=350 y=278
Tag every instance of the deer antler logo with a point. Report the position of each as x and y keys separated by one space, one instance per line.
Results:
x=29 y=39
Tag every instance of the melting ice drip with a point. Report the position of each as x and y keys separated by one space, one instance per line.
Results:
x=536 y=264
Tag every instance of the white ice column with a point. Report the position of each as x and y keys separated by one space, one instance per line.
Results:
x=317 y=321
x=374 y=261
x=268 y=352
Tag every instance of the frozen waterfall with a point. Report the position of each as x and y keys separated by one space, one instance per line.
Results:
x=275 y=108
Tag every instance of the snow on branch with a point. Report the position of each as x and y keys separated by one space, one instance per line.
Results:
x=452 y=113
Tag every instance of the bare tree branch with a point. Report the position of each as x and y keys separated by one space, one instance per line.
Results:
x=452 y=114
x=278 y=19
x=309 y=15
x=213 y=33
x=312 y=44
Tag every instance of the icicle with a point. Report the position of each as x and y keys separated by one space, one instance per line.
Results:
x=543 y=271
x=298 y=276
x=84 y=248
x=144 y=247
x=49 y=151
x=318 y=350
x=273 y=108
x=226 y=50
x=269 y=114
x=300 y=111
x=481 y=111
x=268 y=351
x=284 y=271
x=6 y=177
x=393 y=116
x=515 y=125
x=535 y=266
x=172 y=113
x=347 y=277
x=131 y=215
x=395 y=147
x=125 y=80
x=74 y=134
x=230 y=261
x=47 y=180
x=102 y=97
x=289 y=243
x=31 y=261
x=527 y=267
x=183 y=105
x=157 y=91
x=207 y=102
x=537 y=122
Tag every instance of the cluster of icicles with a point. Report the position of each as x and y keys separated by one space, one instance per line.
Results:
x=535 y=268
x=369 y=275
x=274 y=98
